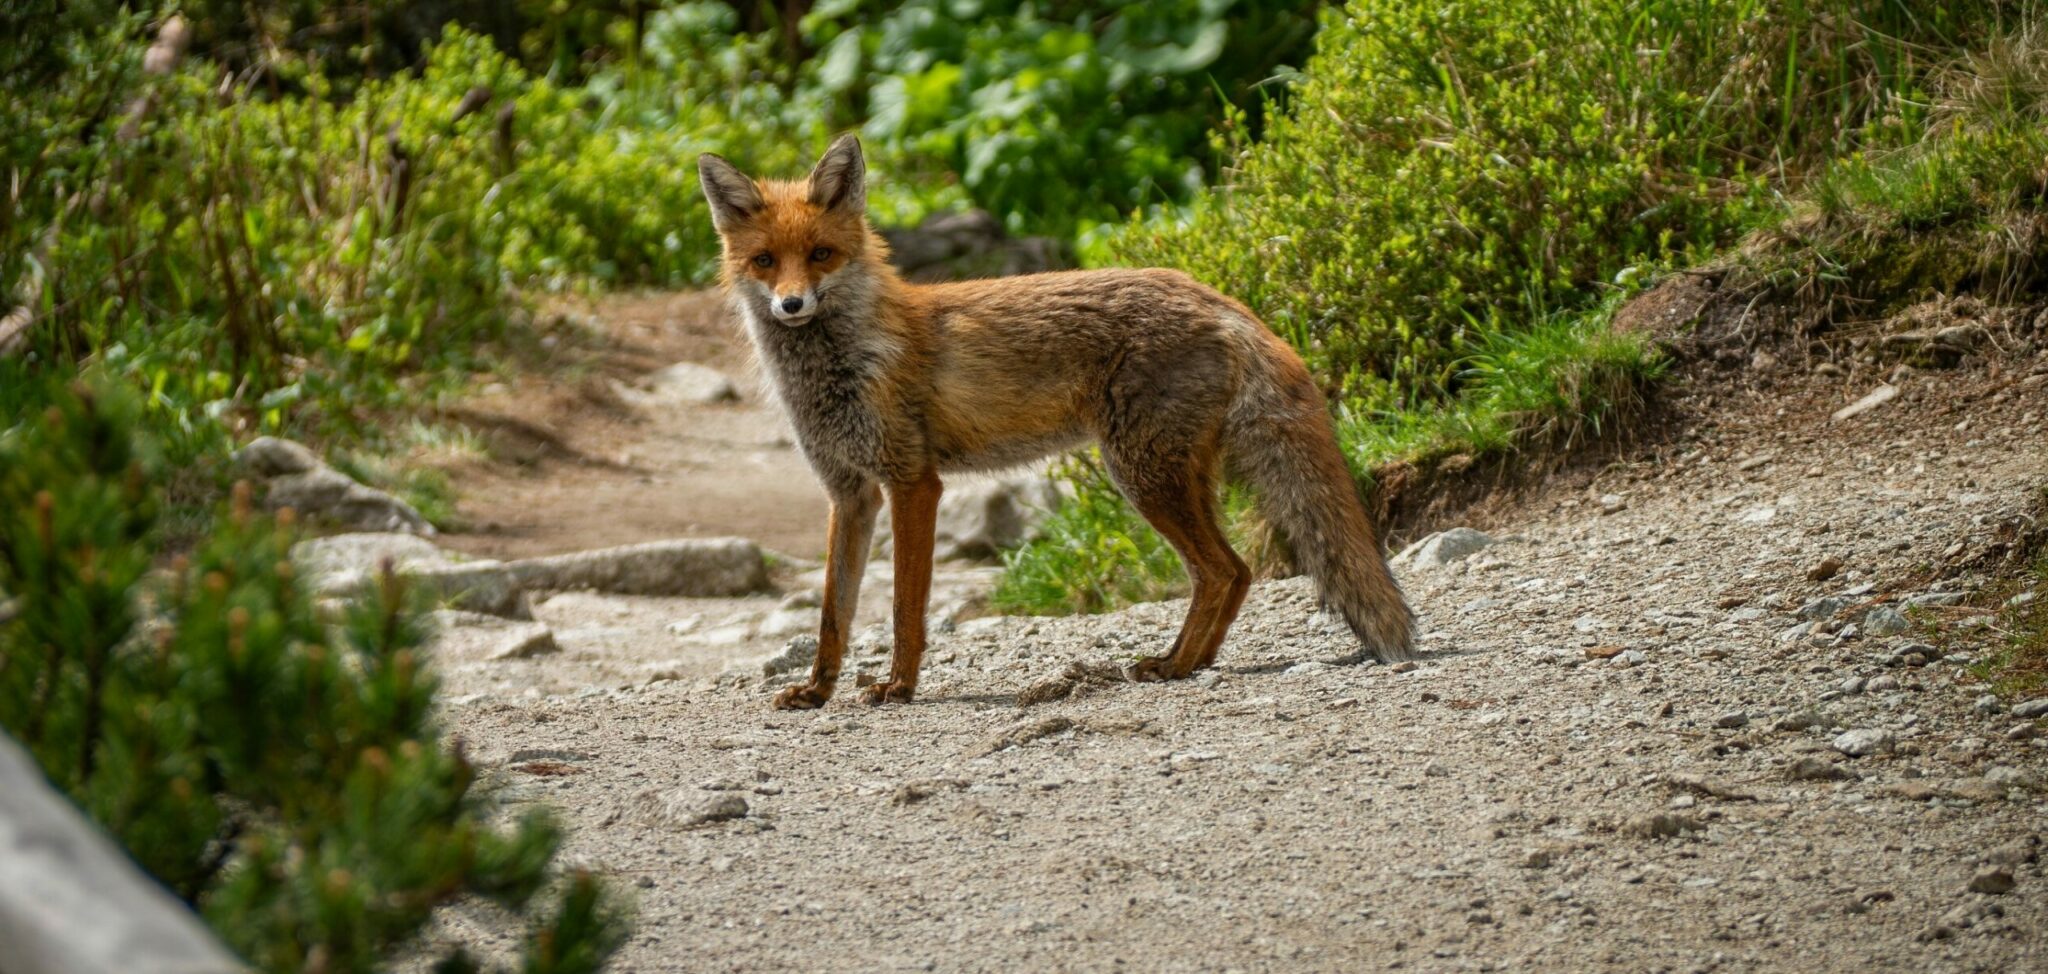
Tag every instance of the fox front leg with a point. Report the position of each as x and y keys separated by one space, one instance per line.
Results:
x=852 y=527
x=913 y=515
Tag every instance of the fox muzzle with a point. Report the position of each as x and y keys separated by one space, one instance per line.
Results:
x=794 y=309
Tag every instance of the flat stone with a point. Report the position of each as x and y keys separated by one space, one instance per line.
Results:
x=1884 y=620
x=1823 y=608
x=1871 y=400
x=2031 y=709
x=348 y=566
x=478 y=586
x=526 y=641
x=2006 y=776
x=1864 y=742
x=1812 y=768
x=1993 y=880
x=341 y=556
x=690 y=568
x=683 y=808
x=327 y=495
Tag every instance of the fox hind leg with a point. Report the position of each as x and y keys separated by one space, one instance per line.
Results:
x=1177 y=496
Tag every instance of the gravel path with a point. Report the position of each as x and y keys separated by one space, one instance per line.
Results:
x=1625 y=749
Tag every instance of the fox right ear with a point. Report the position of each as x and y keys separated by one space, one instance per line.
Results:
x=733 y=197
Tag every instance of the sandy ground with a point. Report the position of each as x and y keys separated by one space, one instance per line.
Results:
x=637 y=473
x=1620 y=752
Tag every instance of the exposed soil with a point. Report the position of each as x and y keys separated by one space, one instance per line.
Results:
x=579 y=467
x=1624 y=750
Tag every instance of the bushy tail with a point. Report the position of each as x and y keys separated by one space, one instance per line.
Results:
x=1282 y=443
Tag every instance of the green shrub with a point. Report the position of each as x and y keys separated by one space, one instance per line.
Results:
x=247 y=259
x=1445 y=217
x=283 y=774
x=1454 y=170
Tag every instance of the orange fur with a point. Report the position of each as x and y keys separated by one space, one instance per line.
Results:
x=890 y=383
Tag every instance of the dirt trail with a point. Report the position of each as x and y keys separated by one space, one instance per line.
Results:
x=1622 y=752
x=602 y=471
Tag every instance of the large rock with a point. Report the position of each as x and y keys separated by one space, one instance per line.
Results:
x=72 y=900
x=476 y=586
x=967 y=245
x=691 y=568
x=1864 y=741
x=1443 y=548
x=348 y=565
x=269 y=456
x=293 y=477
x=978 y=519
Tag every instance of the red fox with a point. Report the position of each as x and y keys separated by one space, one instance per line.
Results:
x=888 y=384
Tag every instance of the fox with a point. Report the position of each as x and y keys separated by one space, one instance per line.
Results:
x=888 y=385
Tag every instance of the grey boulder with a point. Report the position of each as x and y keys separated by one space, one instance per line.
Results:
x=293 y=477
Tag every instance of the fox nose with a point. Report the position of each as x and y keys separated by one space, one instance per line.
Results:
x=792 y=304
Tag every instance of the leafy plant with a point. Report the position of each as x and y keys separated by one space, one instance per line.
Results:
x=1054 y=114
x=1455 y=170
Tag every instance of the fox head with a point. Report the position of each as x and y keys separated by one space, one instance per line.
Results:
x=789 y=245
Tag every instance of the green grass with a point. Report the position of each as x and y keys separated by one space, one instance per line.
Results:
x=2018 y=667
x=1095 y=554
x=1960 y=213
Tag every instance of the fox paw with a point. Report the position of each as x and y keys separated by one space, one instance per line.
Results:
x=1152 y=669
x=888 y=691
x=808 y=696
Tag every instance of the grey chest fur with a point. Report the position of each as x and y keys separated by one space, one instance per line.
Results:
x=821 y=375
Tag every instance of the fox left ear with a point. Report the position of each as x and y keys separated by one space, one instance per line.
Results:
x=840 y=179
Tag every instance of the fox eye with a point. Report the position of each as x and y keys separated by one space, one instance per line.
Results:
x=822 y=254
x=764 y=260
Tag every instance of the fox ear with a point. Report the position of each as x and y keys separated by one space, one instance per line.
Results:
x=840 y=179
x=733 y=197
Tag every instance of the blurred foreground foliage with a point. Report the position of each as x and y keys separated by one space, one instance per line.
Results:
x=278 y=768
